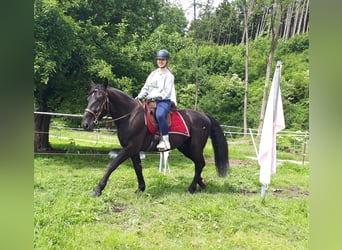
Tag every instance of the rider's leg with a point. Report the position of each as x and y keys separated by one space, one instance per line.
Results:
x=163 y=107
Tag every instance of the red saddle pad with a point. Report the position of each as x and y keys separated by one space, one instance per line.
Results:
x=178 y=125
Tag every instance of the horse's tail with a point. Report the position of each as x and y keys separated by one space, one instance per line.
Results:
x=220 y=146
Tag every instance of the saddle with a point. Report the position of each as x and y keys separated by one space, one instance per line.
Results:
x=151 y=106
x=174 y=119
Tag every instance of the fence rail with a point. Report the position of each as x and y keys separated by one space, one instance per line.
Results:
x=296 y=141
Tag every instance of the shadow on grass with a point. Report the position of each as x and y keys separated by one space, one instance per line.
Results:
x=159 y=187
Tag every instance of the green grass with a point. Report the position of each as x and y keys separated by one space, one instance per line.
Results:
x=228 y=214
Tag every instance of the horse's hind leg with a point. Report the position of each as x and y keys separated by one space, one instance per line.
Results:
x=199 y=165
x=197 y=157
x=138 y=171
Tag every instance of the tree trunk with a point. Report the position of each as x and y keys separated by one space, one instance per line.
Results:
x=247 y=13
x=295 y=22
x=41 y=133
x=288 y=20
x=264 y=97
x=300 y=22
x=196 y=77
x=305 y=26
x=263 y=22
x=243 y=37
x=275 y=27
x=219 y=34
x=41 y=129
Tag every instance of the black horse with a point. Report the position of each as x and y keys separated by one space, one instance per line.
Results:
x=134 y=136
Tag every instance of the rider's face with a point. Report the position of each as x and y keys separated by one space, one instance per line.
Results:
x=161 y=63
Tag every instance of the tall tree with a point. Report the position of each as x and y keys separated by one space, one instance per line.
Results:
x=76 y=40
x=275 y=28
x=247 y=12
x=52 y=50
x=306 y=18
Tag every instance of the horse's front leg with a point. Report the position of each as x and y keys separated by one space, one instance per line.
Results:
x=138 y=171
x=121 y=157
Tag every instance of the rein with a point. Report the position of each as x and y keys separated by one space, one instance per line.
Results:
x=121 y=117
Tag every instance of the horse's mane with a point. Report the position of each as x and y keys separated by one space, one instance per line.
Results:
x=118 y=91
x=110 y=90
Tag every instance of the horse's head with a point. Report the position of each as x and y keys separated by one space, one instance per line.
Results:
x=97 y=105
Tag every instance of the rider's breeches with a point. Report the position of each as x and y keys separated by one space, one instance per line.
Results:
x=163 y=107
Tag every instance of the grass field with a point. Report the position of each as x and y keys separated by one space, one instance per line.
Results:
x=228 y=214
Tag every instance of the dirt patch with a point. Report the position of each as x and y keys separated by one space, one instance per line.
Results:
x=290 y=192
x=247 y=192
x=118 y=208
x=239 y=163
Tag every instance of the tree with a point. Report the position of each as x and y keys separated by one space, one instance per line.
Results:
x=246 y=13
x=52 y=49
x=275 y=27
x=79 y=40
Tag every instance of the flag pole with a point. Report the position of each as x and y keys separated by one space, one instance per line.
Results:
x=276 y=89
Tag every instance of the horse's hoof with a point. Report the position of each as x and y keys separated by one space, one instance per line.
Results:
x=203 y=184
x=139 y=190
x=95 y=194
x=191 y=191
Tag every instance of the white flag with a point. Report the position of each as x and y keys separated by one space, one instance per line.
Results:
x=273 y=123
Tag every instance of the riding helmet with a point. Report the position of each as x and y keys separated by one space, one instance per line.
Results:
x=163 y=54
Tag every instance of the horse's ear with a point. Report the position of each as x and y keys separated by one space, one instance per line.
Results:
x=105 y=83
x=92 y=84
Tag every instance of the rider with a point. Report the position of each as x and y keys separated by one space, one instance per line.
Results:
x=159 y=86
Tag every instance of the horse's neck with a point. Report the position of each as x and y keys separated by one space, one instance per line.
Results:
x=120 y=104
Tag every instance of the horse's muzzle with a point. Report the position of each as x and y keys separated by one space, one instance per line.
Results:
x=87 y=123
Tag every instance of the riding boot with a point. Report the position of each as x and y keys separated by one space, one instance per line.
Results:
x=164 y=143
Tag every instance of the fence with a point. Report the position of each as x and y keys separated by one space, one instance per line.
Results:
x=295 y=142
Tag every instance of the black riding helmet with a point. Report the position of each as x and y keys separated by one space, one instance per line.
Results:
x=163 y=54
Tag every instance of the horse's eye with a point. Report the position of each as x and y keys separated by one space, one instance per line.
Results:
x=100 y=94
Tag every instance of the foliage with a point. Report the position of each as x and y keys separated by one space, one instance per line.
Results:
x=76 y=41
x=225 y=24
x=222 y=26
x=186 y=96
x=223 y=98
x=295 y=83
x=80 y=40
x=52 y=47
x=292 y=144
x=297 y=44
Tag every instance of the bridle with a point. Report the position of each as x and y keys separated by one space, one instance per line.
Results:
x=104 y=106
